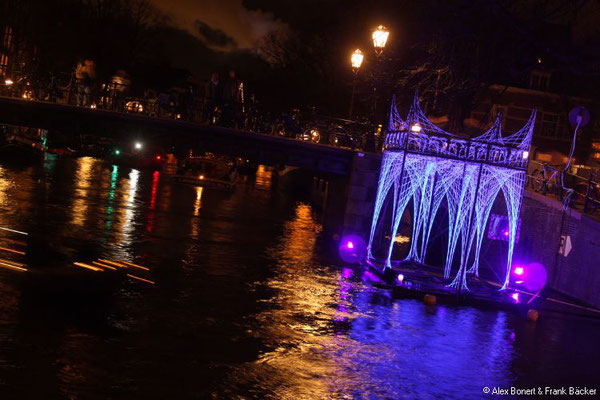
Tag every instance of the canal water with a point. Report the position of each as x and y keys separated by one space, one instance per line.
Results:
x=247 y=302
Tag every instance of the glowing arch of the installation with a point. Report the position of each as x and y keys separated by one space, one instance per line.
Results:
x=425 y=164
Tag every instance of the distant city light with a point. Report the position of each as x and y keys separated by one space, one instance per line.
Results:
x=8 y=82
x=350 y=245
x=117 y=152
x=134 y=106
x=519 y=271
x=138 y=145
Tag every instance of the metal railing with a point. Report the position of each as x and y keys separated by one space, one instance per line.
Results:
x=575 y=191
x=185 y=105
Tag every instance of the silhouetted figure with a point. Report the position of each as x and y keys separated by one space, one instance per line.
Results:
x=187 y=103
x=85 y=74
x=232 y=100
x=212 y=93
x=119 y=86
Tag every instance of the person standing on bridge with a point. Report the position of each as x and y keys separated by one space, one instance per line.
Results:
x=80 y=75
x=212 y=95
x=85 y=73
x=232 y=100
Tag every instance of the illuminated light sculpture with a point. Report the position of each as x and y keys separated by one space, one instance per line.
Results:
x=424 y=164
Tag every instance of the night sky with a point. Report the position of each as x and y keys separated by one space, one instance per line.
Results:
x=296 y=53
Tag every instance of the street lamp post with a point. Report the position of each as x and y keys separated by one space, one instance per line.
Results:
x=380 y=37
x=356 y=60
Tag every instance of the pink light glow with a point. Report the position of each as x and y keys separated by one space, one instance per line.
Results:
x=400 y=278
x=519 y=271
x=350 y=245
x=515 y=297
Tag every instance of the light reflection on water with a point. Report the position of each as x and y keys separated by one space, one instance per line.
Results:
x=246 y=305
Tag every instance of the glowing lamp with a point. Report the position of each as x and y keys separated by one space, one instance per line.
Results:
x=519 y=271
x=415 y=127
x=352 y=249
x=515 y=296
x=201 y=177
x=138 y=145
x=158 y=158
x=8 y=82
x=400 y=278
x=525 y=155
x=356 y=59
x=380 y=36
x=117 y=152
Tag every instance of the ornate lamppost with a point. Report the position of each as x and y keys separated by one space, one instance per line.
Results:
x=356 y=60
x=380 y=36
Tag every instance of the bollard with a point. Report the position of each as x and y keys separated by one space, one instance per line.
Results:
x=429 y=299
x=532 y=315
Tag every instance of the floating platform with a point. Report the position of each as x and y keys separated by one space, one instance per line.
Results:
x=411 y=280
x=420 y=280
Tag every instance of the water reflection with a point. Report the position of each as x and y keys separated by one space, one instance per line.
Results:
x=82 y=183
x=263 y=177
x=109 y=210
x=198 y=202
x=152 y=208
x=246 y=304
x=5 y=184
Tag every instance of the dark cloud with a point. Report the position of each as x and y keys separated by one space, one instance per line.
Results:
x=214 y=37
x=231 y=20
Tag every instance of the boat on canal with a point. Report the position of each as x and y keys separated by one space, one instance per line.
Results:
x=208 y=170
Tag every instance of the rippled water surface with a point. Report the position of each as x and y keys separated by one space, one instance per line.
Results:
x=246 y=303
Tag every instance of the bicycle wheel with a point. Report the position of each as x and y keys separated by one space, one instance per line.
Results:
x=537 y=180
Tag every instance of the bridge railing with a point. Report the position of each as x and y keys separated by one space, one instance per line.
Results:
x=575 y=191
x=184 y=105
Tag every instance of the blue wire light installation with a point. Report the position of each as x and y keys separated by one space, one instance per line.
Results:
x=430 y=167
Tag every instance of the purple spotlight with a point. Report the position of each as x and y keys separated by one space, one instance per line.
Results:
x=352 y=249
x=515 y=296
x=519 y=271
x=400 y=278
x=535 y=277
